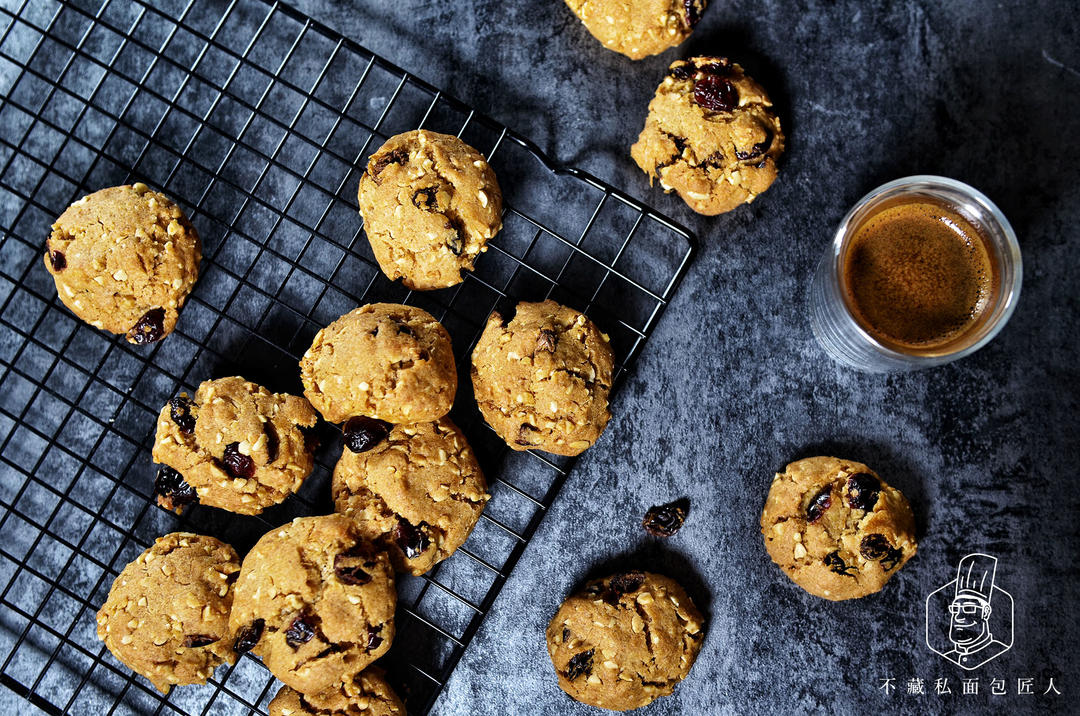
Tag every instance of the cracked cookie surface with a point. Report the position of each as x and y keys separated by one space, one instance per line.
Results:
x=711 y=135
x=236 y=446
x=316 y=601
x=837 y=529
x=383 y=361
x=625 y=640
x=167 y=614
x=367 y=695
x=416 y=494
x=542 y=380
x=639 y=28
x=124 y=260
x=430 y=203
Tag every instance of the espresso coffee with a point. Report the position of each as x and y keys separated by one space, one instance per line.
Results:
x=918 y=275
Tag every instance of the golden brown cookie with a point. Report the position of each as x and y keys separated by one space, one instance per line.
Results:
x=625 y=640
x=417 y=493
x=542 y=380
x=711 y=135
x=124 y=260
x=366 y=695
x=236 y=446
x=316 y=601
x=639 y=28
x=836 y=528
x=384 y=361
x=167 y=614
x=430 y=203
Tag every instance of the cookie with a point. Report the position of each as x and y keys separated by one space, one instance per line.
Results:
x=711 y=135
x=639 y=28
x=384 y=361
x=316 y=602
x=430 y=203
x=836 y=528
x=542 y=379
x=366 y=695
x=236 y=446
x=625 y=640
x=167 y=614
x=124 y=260
x=416 y=494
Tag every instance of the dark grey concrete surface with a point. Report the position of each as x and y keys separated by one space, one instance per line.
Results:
x=732 y=385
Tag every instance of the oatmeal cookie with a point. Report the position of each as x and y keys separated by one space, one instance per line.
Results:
x=639 y=28
x=542 y=379
x=167 y=614
x=236 y=446
x=711 y=135
x=430 y=203
x=124 y=260
x=836 y=528
x=625 y=640
x=366 y=695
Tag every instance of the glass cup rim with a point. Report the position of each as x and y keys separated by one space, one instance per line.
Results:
x=1010 y=292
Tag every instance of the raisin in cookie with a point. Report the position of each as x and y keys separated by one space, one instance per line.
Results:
x=167 y=614
x=639 y=28
x=236 y=446
x=384 y=361
x=316 y=601
x=836 y=528
x=624 y=640
x=124 y=260
x=417 y=493
x=430 y=203
x=711 y=135
x=542 y=380
x=366 y=695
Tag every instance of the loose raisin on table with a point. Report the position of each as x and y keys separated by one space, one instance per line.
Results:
x=237 y=464
x=58 y=261
x=301 y=630
x=716 y=93
x=172 y=491
x=363 y=433
x=819 y=503
x=665 y=520
x=249 y=636
x=180 y=412
x=580 y=665
x=149 y=328
x=412 y=540
x=197 y=640
x=863 y=490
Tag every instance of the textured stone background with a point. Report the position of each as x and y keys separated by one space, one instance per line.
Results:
x=732 y=385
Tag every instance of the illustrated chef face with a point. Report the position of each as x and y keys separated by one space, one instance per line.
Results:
x=970 y=620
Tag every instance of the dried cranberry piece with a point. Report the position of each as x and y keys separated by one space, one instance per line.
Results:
x=665 y=520
x=180 y=412
x=249 y=636
x=149 y=328
x=412 y=540
x=373 y=638
x=694 y=8
x=272 y=441
x=626 y=582
x=197 y=640
x=874 y=547
x=348 y=565
x=684 y=71
x=716 y=93
x=819 y=503
x=58 y=261
x=580 y=665
x=721 y=67
x=362 y=433
x=172 y=491
x=302 y=630
x=836 y=563
x=425 y=198
x=237 y=464
x=863 y=490
x=547 y=340
x=758 y=149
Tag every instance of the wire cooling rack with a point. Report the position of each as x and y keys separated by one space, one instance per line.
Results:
x=258 y=121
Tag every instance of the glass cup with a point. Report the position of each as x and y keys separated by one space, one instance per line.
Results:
x=831 y=316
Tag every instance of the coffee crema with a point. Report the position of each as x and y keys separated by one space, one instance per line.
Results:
x=917 y=275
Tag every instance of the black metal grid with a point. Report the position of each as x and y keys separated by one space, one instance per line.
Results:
x=258 y=121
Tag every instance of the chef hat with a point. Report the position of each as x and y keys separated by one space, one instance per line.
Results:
x=975 y=577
